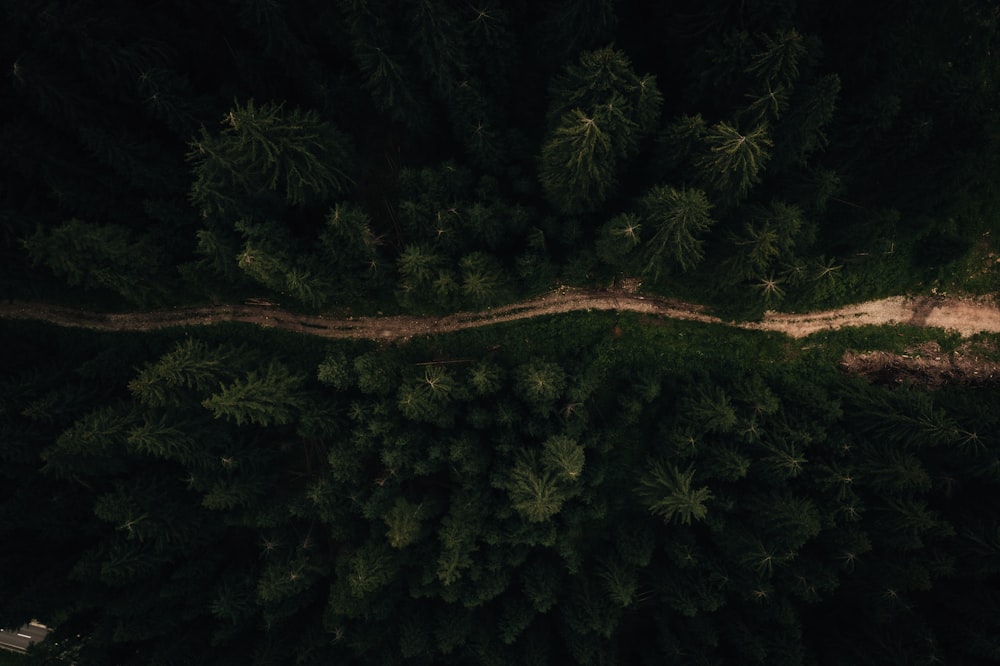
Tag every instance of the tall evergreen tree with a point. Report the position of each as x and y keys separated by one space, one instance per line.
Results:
x=271 y=397
x=732 y=162
x=668 y=493
x=598 y=113
x=293 y=153
x=675 y=220
x=102 y=257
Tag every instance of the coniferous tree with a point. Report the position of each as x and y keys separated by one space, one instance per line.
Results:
x=778 y=62
x=292 y=153
x=732 y=162
x=481 y=278
x=668 y=493
x=675 y=220
x=540 y=383
x=273 y=396
x=803 y=131
x=598 y=113
x=191 y=365
x=578 y=165
x=618 y=237
x=101 y=257
x=218 y=249
x=563 y=456
x=534 y=491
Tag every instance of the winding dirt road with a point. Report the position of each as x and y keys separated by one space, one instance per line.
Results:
x=967 y=317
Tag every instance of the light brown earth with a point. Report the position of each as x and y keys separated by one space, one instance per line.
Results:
x=964 y=316
x=925 y=366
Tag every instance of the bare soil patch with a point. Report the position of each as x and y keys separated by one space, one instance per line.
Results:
x=927 y=366
x=966 y=316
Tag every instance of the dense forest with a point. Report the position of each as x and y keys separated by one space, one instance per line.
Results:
x=580 y=489
x=591 y=488
x=428 y=155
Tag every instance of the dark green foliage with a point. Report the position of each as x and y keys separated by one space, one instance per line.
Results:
x=732 y=162
x=538 y=493
x=668 y=493
x=429 y=508
x=102 y=257
x=676 y=221
x=578 y=164
x=599 y=112
x=534 y=490
x=618 y=237
x=263 y=398
x=494 y=130
x=267 y=149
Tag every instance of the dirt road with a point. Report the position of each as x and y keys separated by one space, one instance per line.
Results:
x=967 y=317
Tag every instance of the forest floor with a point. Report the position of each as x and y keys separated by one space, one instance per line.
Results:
x=966 y=316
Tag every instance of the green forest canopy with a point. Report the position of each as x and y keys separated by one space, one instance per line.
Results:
x=428 y=155
x=583 y=488
x=580 y=488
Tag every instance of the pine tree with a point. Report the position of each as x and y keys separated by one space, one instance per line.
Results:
x=219 y=251
x=667 y=492
x=732 y=162
x=675 y=220
x=485 y=378
x=92 y=446
x=429 y=397
x=481 y=278
x=308 y=287
x=605 y=77
x=265 y=267
x=599 y=112
x=168 y=97
x=680 y=141
x=778 y=62
x=268 y=149
x=458 y=536
x=388 y=73
x=711 y=410
x=620 y=581
x=377 y=374
x=418 y=267
x=371 y=567
x=102 y=257
x=540 y=383
x=534 y=492
x=767 y=105
x=563 y=456
x=191 y=365
x=163 y=439
x=787 y=520
x=336 y=370
x=618 y=237
x=272 y=397
x=578 y=167
x=803 y=130
x=353 y=250
x=403 y=523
